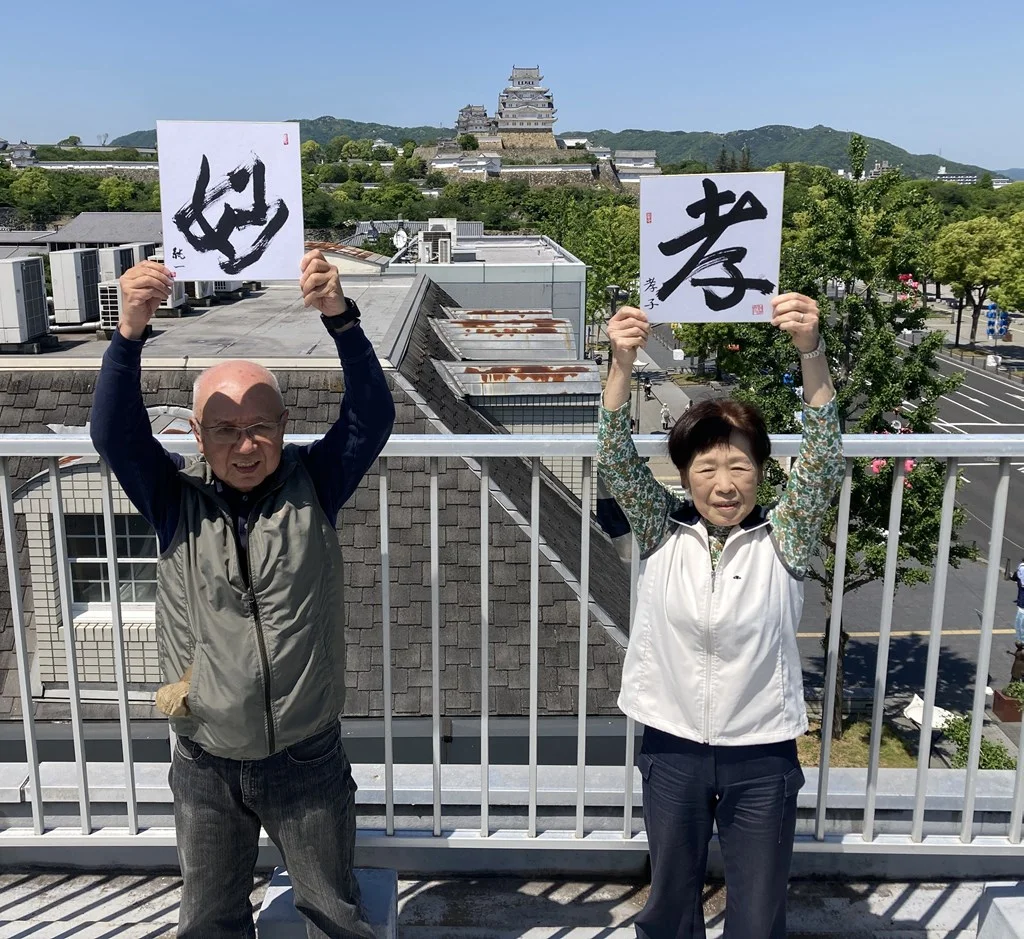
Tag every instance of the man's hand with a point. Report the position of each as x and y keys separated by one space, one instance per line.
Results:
x=143 y=288
x=797 y=315
x=627 y=332
x=320 y=284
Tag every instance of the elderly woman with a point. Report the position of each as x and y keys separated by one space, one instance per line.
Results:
x=713 y=670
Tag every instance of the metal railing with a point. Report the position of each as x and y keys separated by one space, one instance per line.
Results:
x=916 y=824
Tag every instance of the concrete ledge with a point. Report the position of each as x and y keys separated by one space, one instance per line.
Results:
x=509 y=786
x=1001 y=912
x=278 y=918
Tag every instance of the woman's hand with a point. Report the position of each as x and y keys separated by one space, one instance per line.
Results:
x=797 y=315
x=627 y=332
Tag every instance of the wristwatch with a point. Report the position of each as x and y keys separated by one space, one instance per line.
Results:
x=337 y=323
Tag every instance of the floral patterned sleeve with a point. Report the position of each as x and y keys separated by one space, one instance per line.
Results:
x=814 y=480
x=645 y=502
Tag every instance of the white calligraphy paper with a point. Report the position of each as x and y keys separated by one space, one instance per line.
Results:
x=710 y=247
x=231 y=199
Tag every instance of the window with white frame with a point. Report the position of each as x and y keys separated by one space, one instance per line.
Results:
x=136 y=548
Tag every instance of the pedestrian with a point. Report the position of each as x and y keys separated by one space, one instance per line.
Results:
x=648 y=390
x=250 y=614
x=666 y=417
x=712 y=669
x=1018 y=579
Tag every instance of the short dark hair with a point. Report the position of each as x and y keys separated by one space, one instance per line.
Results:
x=710 y=423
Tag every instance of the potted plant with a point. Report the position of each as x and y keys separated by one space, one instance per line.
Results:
x=1007 y=704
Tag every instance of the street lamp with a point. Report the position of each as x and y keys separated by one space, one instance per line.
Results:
x=638 y=368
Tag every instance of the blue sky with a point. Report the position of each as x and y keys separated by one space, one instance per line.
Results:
x=927 y=76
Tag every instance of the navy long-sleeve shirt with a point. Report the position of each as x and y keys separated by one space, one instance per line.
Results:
x=121 y=431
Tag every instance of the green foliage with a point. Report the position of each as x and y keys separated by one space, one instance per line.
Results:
x=993 y=755
x=383 y=154
x=31 y=193
x=468 y=142
x=123 y=155
x=1010 y=292
x=333 y=148
x=118 y=192
x=1015 y=689
x=311 y=154
x=969 y=256
x=774 y=143
x=73 y=141
x=436 y=179
x=382 y=244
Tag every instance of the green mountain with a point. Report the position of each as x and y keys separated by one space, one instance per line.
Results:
x=1017 y=173
x=774 y=143
x=322 y=129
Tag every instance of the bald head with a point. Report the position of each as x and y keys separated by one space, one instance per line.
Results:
x=239 y=381
x=239 y=420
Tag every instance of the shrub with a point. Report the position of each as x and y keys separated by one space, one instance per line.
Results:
x=993 y=755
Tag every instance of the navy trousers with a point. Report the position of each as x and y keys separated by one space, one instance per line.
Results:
x=750 y=794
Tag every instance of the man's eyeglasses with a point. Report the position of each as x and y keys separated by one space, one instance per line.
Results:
x=229 y=435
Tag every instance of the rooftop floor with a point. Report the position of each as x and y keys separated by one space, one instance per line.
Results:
x=145 y=906
x=270 y=324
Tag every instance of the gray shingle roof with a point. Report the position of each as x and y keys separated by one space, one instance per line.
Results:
x=110 y=227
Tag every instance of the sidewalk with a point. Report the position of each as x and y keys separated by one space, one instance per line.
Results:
x=143 y=906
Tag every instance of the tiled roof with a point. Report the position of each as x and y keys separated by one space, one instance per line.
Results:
x=112 y=227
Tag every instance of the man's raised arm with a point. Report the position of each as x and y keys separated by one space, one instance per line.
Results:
x=119 y=424
x=339 y=460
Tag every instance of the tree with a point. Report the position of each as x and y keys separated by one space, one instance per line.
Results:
x=382 y=154
x=333 y=148
x=408 y=148
x=969 y=257
x=72 y=141
x=1010 y=292
x=357 y=150
x=436 y=180
x=382 y=244
x=32 y=195
x=401 y=172
x=722 y=161
x=118 y=192
x=311 y=154
x=746 y=163
x=851 y=232
x=468 y=142
x=609 y=244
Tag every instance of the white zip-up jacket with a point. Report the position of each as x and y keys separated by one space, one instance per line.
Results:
x=712 y=653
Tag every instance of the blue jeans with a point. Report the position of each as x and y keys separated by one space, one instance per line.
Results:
x=304 y=797
x=750 y=793
x=1018 y=624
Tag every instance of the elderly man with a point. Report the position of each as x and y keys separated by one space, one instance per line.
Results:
x=249 y=612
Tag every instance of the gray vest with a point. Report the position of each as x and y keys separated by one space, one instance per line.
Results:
x=268 y=661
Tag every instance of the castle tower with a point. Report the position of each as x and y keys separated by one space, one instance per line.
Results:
x=526 y=111
x=473 y=119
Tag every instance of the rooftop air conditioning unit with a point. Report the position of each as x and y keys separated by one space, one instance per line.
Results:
x=178 y=297
x=200 y=290
x=142 y=250
x=23 y=309
x=450 y=225
x=110 y=305
x=76 y=277
x=115 y=261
